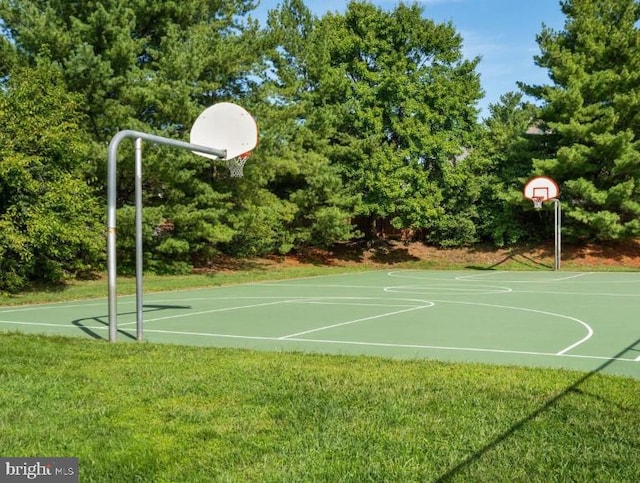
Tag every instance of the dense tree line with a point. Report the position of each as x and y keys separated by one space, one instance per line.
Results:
x=368 y=122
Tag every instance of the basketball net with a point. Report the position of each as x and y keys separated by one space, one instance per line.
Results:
x=235 y=165
x=537 y=202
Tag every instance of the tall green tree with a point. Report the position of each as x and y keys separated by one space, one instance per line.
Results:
x=299 y=197
x=50 y=220
x=591 y=117
x=151 y=66
x=139 y=63
x=503 y=161
x=388 y=98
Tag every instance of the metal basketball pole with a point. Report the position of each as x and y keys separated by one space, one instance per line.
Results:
x=558 y=227
x=139 y=259
x=540 y=189
x=112 y=159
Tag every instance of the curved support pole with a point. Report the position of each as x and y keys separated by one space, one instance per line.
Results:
x=112 y=158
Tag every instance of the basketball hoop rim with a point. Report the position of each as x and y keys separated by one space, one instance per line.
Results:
x=537 y=201
x=236 y=165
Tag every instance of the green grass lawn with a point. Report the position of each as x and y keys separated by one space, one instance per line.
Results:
x=146 y=412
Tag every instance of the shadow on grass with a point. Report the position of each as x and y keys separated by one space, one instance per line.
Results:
x=103 y=320
x=504 y=437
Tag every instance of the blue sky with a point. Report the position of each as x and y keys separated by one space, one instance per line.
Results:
x=502 y=32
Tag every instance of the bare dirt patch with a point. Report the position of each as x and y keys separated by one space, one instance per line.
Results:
x=384 y=253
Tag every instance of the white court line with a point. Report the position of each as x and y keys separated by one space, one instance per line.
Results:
x=469 y=290
x=339 y=342
x=478 y=277
x=214 y=335
x=46 y=324
x=326 y=327
x=350 y=304
x=211 y=311
x=326 y=299
x=279 y=301
x=544 y=312
x=446 y=289
x=385 y=344
x=315 y=285
x=472 y=278
x=462 y=349
x=23 y=308
x=576 y=344
x=589 y=294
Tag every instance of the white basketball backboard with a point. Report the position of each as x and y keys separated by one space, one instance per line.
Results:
x=541 y=188
x=225 y=126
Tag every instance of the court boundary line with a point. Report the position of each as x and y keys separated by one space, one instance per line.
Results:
x=391 y=345
x=338 y=342
x=468 y=278
x=210 y=311
x=590 y=331
x=471 y=278
x=281 y=300
x=349 y=322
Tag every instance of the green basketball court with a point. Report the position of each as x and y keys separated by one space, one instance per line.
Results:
x=583 y=321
